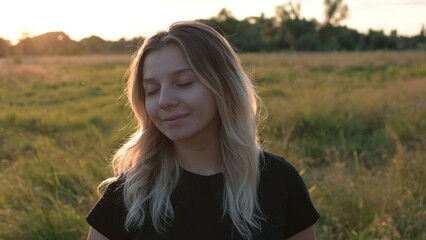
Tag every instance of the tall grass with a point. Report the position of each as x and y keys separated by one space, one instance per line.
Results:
x=352 y=123
x=59 y=123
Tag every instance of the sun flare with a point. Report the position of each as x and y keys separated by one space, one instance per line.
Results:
x=131 y=18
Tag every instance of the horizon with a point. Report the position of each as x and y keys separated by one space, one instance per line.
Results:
x=111 y=22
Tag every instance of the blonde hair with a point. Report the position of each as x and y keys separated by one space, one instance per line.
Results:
x=146 y=160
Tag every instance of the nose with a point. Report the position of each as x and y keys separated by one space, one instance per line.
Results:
x=167 y=98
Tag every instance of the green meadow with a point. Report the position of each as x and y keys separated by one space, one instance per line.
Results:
x=353 y=124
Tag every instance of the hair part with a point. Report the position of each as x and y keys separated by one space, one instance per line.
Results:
x=146 y=159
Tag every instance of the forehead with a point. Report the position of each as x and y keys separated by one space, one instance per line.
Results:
x=165 y=60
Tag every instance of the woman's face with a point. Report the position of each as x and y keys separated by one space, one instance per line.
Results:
x=179 y=105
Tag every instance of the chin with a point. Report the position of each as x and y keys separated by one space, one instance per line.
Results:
x=180 y=137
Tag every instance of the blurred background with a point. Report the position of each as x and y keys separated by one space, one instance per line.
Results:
x=56 y=27
x=343 y=84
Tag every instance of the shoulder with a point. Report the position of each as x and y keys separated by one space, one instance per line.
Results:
x=283 y=195
x=278 y=176
x=114 y=185
x=112 y=191
x=112 y=194
x=276 y=166
x=109 y=213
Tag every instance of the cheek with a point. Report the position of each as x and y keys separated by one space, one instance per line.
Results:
x=202 y=95
x=209 y=98
x=207 y=104
x=150 y=108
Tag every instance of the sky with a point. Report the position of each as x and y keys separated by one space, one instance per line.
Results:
x=112 y=20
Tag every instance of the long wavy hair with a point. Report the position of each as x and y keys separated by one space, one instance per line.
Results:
x=146 y=159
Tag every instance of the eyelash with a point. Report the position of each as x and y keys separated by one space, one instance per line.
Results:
x=186 y=84
x=151 y=92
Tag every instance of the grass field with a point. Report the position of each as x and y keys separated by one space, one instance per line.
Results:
x=354 y=124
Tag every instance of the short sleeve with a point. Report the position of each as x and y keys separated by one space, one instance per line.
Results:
x=284 y=198
x=301 y=212
x=109 y=213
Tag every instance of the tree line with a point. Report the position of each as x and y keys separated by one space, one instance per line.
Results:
x=289 y=30
x=286 y=30
x=59 y=43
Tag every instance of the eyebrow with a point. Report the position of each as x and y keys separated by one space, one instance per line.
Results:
x=174 y=73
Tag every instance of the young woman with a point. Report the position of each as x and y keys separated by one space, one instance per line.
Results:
x=194 y=168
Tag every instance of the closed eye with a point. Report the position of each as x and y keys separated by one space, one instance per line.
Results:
x=151 y=92
x=185 y=84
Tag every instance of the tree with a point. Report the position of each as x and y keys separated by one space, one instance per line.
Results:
x=226 y=21
x=422 y=35
x=248 y=37
x=288 y=11
x=287 y=17
x=335 y=11
x=94 y=44
x=126 y=46
x=393 y=40
x=51 y=43
x=376 y=40
x=268 y=31
x=5 y=47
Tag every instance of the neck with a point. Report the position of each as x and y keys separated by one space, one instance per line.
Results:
x=203 y=158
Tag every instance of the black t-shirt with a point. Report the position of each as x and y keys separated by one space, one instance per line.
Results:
x=197 y=204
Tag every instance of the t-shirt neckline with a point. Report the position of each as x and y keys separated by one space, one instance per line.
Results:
x=192 y=174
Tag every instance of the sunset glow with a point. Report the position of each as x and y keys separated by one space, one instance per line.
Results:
x=130 y=18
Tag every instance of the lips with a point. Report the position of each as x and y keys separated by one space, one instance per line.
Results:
x=174 y=117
